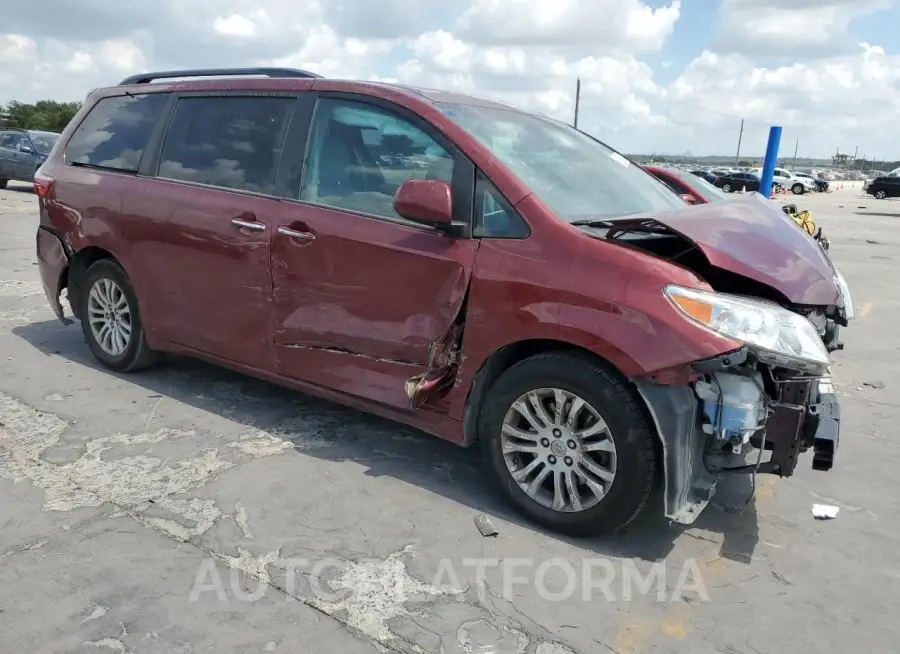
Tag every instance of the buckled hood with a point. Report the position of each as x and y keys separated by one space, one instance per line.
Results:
x=752 y=237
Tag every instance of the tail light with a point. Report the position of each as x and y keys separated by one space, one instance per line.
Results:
x=43 y=185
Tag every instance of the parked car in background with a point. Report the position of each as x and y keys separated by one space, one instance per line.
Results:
x=733 y=182
x=691 y=188
x=505 y=280
x=787 y=179
x=705 y=174
x=22 y=152
x=820 y=184
x=884 y=187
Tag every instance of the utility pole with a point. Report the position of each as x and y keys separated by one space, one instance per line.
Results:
x=796 y=146
x=737 y=156
x=577 y=100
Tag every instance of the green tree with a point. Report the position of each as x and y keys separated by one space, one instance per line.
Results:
x=46 y=115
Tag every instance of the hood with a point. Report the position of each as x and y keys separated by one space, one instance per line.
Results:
x=753 y=237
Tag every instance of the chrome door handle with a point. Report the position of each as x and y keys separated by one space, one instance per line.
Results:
x=306 y=236
x=256 y=227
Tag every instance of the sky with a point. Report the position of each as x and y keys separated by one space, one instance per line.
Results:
x=658 y=76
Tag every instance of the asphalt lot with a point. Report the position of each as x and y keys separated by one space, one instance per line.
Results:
x=190 y=509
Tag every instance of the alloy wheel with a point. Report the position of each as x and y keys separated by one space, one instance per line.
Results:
x=109 y=316
x=559 y=450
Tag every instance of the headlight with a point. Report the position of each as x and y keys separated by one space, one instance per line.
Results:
x=777 y=336
x=845 y=294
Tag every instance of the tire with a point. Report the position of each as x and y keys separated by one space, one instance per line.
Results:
x=881 y=195
x=3 y=183
x=108 y=280
x=635 y=444
x=726 y=188
x=797 y=189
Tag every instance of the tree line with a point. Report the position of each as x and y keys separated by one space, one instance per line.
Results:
x=44 y=115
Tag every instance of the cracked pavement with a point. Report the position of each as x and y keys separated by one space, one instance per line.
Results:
x=190 y=509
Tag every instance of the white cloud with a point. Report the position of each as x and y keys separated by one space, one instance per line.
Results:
x=815 y=81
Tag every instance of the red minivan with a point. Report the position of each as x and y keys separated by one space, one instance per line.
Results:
x=458 y=265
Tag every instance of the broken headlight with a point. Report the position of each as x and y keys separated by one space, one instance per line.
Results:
x=777 y=336
x=844 y=288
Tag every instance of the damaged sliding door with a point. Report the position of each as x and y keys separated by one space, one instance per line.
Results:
x=366 y=302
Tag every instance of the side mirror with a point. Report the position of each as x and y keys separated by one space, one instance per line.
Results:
x=687 y=197
x=26 y=149
x=427 y=201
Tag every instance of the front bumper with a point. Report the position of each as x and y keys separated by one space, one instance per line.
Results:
x=806 y=415
x=53 y=262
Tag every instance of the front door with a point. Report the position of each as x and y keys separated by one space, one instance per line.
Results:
x=205 y=225
x=362 y=295
x=9 y=155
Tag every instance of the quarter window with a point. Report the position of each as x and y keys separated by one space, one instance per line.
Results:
x=232 y=142
x=359 y=155
x=494 y=216
x=115 y=132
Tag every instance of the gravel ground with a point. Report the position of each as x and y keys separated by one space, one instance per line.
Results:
x=190 y=509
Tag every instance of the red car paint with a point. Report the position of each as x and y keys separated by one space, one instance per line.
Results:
x=679 y=183
x=367 y=310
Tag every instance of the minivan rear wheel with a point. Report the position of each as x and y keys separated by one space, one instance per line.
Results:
x=111 y=321
x=568 y=444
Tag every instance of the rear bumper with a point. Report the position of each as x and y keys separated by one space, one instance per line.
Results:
x=53 y=262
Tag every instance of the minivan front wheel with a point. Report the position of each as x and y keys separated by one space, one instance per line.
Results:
x=110 y=319
x=881 y=195
x=568 y=444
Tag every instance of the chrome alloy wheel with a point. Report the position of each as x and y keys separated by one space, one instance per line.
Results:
x=109 y=316
x=558 y=449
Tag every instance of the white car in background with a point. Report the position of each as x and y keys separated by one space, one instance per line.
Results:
x=785 y=178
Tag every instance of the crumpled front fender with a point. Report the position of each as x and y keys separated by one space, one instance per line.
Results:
x=689 y=486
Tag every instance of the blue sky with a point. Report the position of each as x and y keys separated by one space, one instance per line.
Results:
x=664 y=76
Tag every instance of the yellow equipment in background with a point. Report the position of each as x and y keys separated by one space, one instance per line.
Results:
x=805 y=222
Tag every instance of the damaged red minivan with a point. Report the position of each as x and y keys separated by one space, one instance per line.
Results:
x=472 y=270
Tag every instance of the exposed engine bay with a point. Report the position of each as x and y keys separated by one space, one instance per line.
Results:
x=746 y=403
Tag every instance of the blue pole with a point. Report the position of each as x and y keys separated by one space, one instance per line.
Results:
x=768 y=169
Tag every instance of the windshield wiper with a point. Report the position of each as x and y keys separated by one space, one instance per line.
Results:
x=591 y=222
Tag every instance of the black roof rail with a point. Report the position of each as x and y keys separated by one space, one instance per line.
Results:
x=146 y=78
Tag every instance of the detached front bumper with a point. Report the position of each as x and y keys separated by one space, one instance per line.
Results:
x=53 y=263
x=806 y=416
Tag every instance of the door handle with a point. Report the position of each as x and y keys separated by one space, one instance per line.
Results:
x=293 y=233
x=246 y=224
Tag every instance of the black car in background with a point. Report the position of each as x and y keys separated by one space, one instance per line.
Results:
x=732 y=182
x=22 y=151
x=884 y=187
x=704 y=174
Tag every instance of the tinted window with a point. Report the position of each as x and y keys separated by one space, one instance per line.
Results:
x=231 y=142
x=9 y=140
x=707 y=190
x=115 y=132
x=359 y=155
x=671 y=183
x=494 y=216
x=575 y=175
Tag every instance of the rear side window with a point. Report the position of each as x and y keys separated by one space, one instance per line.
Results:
x=115 y=132
x=231 y=142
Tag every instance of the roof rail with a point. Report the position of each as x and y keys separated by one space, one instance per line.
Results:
x=146 y=78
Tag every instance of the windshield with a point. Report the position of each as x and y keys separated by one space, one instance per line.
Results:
x=710 y=192
x=577 y=177
x=43 y=141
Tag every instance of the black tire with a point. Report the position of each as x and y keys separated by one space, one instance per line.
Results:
x=635 y=442
x=3 y=183
x=797 y=189
x=137 y=354
x=881 y=195
x=726 y=188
